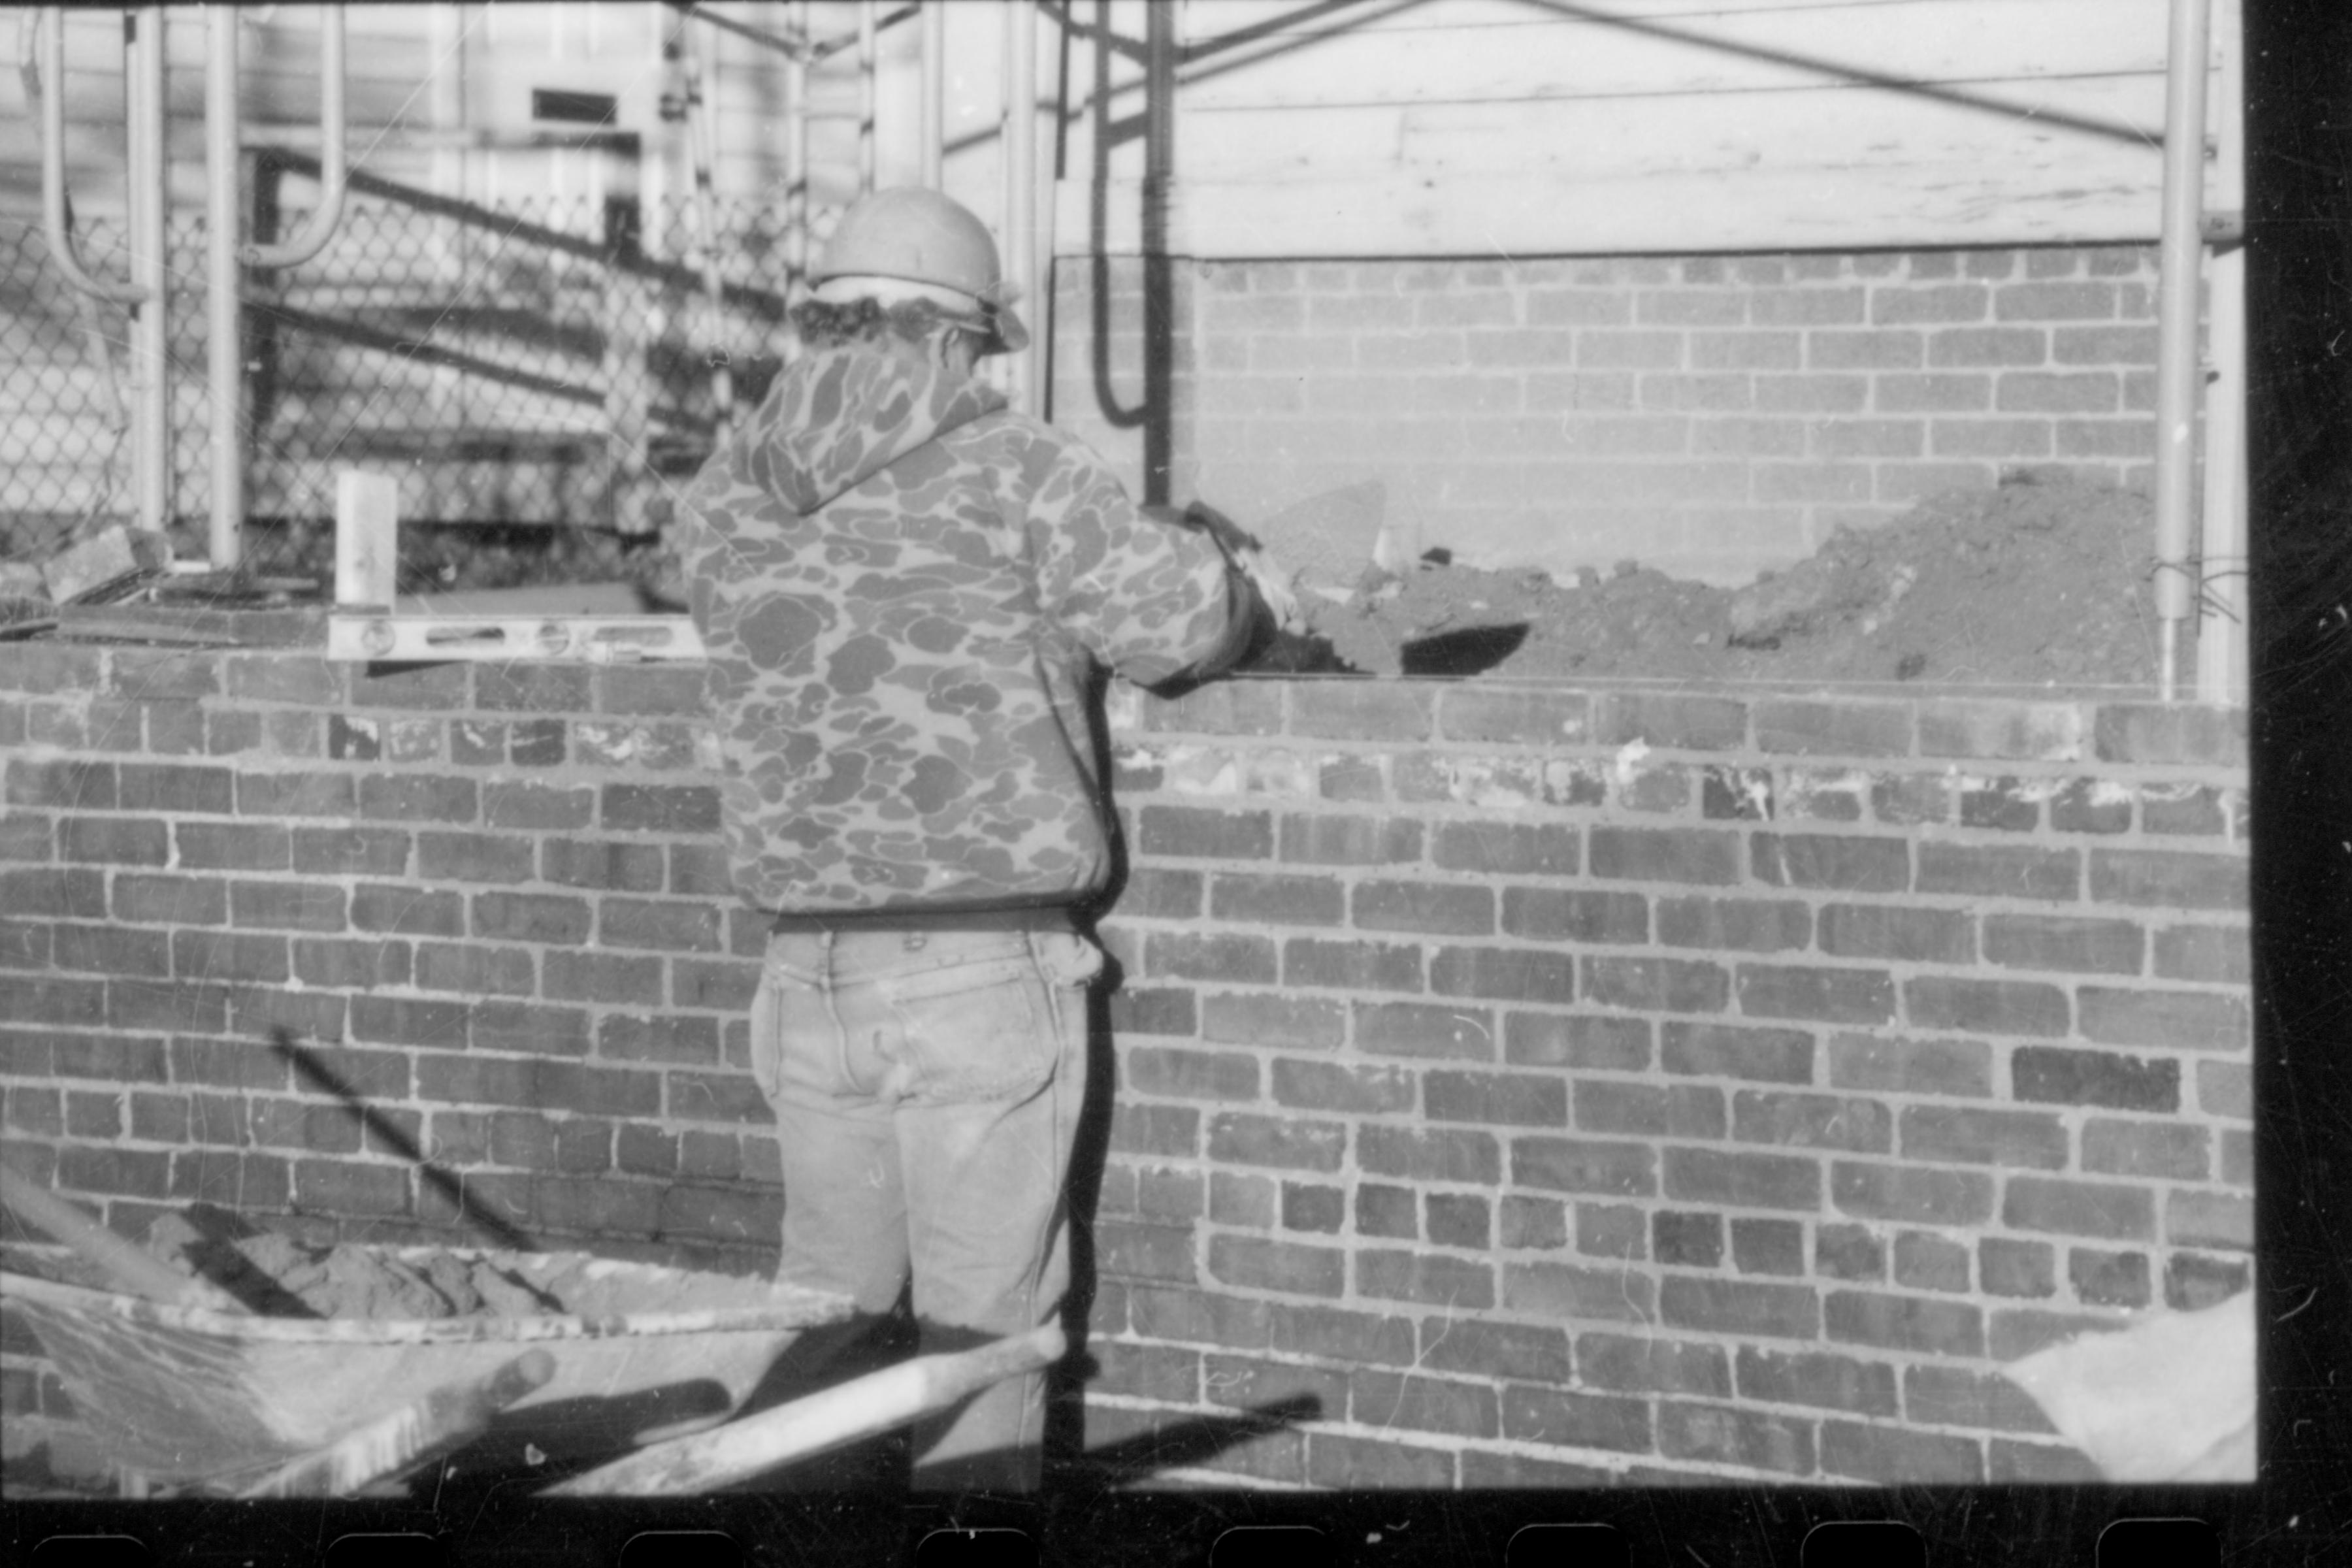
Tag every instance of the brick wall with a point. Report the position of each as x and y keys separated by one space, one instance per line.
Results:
x=1554 y=1084
x=1711 y=416
x=1545 y=1083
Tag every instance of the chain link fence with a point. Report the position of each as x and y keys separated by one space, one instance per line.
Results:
x=538 y=378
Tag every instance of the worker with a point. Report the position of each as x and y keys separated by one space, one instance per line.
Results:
x=904 y=589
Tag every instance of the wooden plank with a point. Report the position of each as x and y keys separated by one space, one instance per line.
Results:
x=1209 y=19
x=2056 y=201
x=1840 y=130
x=1564 y=56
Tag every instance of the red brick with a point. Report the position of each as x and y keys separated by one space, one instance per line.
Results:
x=2054 y=1075
x=1656 y=984
x=1905 y=1322
x=1433 y=907
x=2041 y=1462
x=472 y=969
x=1431 y=1278
x=1986 y=1006
x=216 y=956
x=1665 y=854
x=1647 y=1364
x=2208 y=1219
x=62 y=781
x=2079 y=1208
x=1516 y=717
x=1827 y=996
x=1565 y=1419
x=1811 y=1121
x=1415 y=1029
x=1146 y=1010
x=1300 y=1023
x=297 y=793
x=240 y=847
x=418 y=797
x=147 y=674
x=1584 y=1166
x=1514 y=974
x=1780 y=1056
x=1585 y=1041
x=1727 y=1435
x=1498 y=1099
x=1817 y=1378
x=626 y=808
x=69 y=893
x=1351 y=840
x=1488 y=1349
x=1192 y=1075
x=131 y=1172
x=2168 y=879
x=1501 y=848
x=1441 y=1155
x=1243 y=1138
x=2190 y=1020
x=476 y=858
x=1919 y=1194
x=675 y=927
x=1161 y=1130
x=1563 y=915
x=1556 y=1290
x=113 y=840
x=2170 y=733
x=1535 y=1224
x=1276 y=900
x=1289 y=1266
x=351 y=851
x=402 y=1021
x=2011 y=1267
x=1680 y=1109
x=1743 y=1180
x=1884 y=931
x=529 y=804
x=112 y=950
x=1892 y=1454
x=2103 y=1279
x=1351 y=965
x=1751 y=924
x=1981 y=1136
x=287 y=905
x=2000 y=871
x=693 y=1095
x=1673 y=721
x=2192 y=1281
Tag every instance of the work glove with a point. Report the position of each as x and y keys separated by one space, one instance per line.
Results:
x=1276 y=583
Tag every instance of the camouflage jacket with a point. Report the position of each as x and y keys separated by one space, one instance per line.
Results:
x=903 y=589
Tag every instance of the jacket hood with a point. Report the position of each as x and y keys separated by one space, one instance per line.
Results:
x=839 y=415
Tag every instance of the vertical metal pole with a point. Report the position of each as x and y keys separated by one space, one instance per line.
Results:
x=225 y=312
x=1158 y=304
x=151 y=407
x=865 y=95
x=703 y=140
x=931 y=116
x=796 y=156
x=1020 y=187
x=2221 y=673
x=2182 y=255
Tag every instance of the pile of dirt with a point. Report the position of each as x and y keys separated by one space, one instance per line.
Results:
x=2026 y=584
x=281 y=1276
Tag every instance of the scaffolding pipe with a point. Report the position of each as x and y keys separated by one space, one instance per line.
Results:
x=2181 y=264
x=224 y=282
x=151 y=406
x=930 y=127
x=796 y=161
x=2222 y=546
x=1021 y=189
x=701 y=137
x=333 y=157
x=865 y=95
x=53 y=170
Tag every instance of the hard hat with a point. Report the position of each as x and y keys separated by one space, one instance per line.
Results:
x=919 y=236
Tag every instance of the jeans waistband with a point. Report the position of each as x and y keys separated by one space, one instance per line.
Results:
x=1033 y=917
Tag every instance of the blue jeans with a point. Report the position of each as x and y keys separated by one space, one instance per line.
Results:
x=927 y=1088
